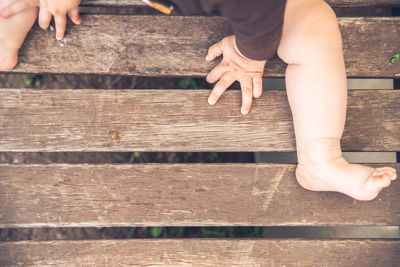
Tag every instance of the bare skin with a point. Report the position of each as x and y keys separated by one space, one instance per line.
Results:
x=12 y=34
x=234 y=67
x=311 y=45
x=18 y=16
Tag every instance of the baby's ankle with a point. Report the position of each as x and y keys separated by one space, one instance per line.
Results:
x=319 y=151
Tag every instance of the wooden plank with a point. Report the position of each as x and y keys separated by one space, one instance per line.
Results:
x=176 y=120
x=362 y=3
x=202 y=252
x=111 y=3
x=59 y=195
x=334 y=3
x=176 y=46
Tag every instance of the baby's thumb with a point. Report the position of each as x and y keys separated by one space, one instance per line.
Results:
x=215 y=51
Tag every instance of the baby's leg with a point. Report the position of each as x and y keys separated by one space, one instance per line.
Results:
x=12 y=34
x=311 y=45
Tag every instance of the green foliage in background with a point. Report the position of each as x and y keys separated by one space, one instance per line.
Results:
x=132 y=232
x=208 y=232
x=192 y=83
x=395 y=58
x=168 y=157
x=156 y=231
x=119 y=157
x=188 y=83
x=33 y=80
x=214 y=157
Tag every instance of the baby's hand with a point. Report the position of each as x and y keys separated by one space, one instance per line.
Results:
x=48 y=8
x=234 y=67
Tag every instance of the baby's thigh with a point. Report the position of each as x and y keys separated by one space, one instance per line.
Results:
x=310 y=32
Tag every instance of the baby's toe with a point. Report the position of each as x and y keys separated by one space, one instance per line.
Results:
x=387 y=170
x=382 y=178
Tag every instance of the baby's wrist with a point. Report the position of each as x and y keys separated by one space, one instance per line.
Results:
x=238 y=51
x=241 y=54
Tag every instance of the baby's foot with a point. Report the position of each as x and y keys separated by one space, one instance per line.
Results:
x=12 y=34
x=355 y=180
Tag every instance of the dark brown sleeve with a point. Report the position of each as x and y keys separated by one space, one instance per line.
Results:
x=256 y=24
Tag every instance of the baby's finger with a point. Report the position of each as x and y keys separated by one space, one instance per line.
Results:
x=247 y=93
x=216 y=74
x=215 y=51
x=44 y=18
x=74 y=16
x=257 y=86
x=14 y=8
x=61 y=24
x=226 y=80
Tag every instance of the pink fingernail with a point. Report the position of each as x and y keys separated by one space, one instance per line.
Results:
x=211 y=101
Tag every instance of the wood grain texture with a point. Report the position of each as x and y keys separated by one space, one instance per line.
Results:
x=61 y=195
x=178 y=120
x=110 y=3
x=334 y=3
x=363 y=3
x=176 y=46
x=202 y=252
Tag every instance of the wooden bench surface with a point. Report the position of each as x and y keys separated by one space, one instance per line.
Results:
x=98 y=195
x=176 y=46
x=60 y=195
x=334 y=3
x=202 y=252
x=178 y=120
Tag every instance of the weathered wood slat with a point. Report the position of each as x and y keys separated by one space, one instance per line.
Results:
x=178 y=120
x=361 y=3
x=60 y=195
x=176 y=46
x=335 y=3
x=110 y=3
x=202 y=252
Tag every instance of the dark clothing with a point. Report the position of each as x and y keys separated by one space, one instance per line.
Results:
x=256 y=24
